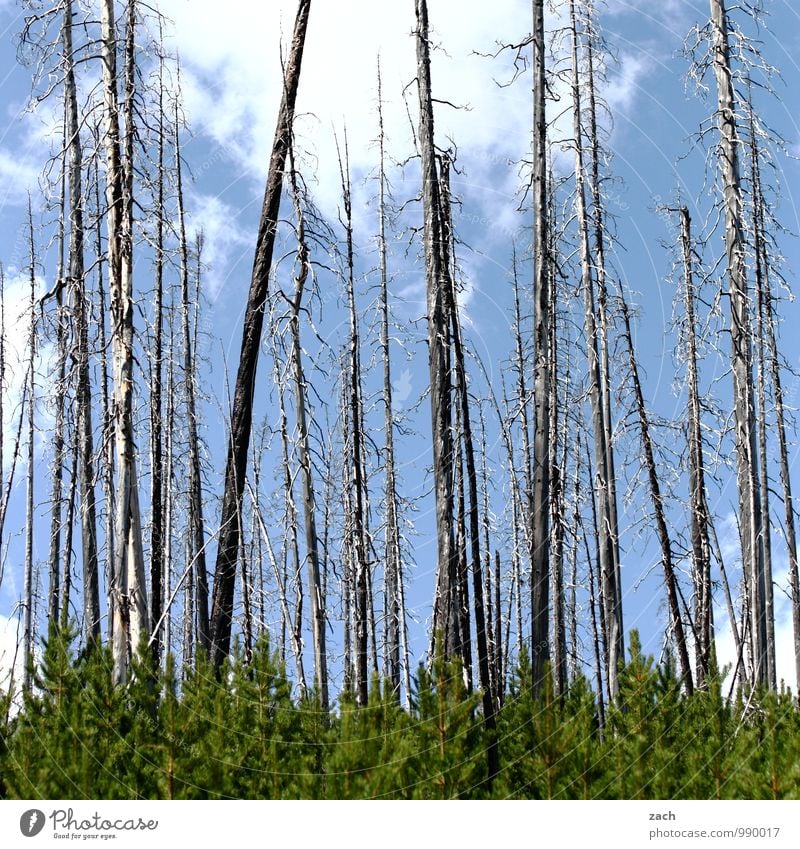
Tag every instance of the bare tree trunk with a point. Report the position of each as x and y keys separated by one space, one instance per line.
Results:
x=357 y=520
x=767 y=335
x=462 y=390
x=445 y=619
x=750 y=514
x=157 y=504
x=670 y=579
x=244 y=388
x=318 y=612
x=30 y=398
x=698 y=507
x=606 y=540
x=542 y=318
x=761 y=269
x=59 y=399
x=108 y=424
x=130 y=606
x=197 y=542
x=80 y=314
x=393 y=568
x=598 y=214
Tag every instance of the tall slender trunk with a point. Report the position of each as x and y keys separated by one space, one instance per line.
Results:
x=29 y=399
x=598 y=216
x=760 y=272
x=80 y=317
x=462 y=389
x=745 y=437
x=670 y=578
x=129 y=601
x=542 y=318
x=318 y=611
x=393 y=568
x=769 y=361
x=445 y=619
x=599 y=416
x=244 y=388
x=157 y=504
x=197 y=542
x=357 y=520
x=59 y=401
x=698 y=507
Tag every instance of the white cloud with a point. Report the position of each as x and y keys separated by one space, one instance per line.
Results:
x=18 y=176
x=224 y=244
x=232 y=90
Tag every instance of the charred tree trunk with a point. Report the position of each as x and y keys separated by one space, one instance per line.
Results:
x=244 y=388
x=542 y=318
x=445 y=619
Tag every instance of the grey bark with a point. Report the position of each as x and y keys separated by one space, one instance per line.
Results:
x=745 y=437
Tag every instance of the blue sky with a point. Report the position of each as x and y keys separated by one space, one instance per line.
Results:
x=230 y=83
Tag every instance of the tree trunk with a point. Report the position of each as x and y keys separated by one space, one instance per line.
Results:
x=542 y=319
x=445 y=619
x=750 y=515
x=80 y=317
x=130 y=607
x=244 y=388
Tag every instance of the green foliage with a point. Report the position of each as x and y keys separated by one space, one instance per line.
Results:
x=245 y=734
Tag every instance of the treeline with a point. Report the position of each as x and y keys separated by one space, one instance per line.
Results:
x=80 y=736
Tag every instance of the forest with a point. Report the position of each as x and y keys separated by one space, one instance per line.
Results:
x=386 y=544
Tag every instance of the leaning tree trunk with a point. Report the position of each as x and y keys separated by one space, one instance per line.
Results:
x=670 y=578
x=244 y=388
x=750 y=515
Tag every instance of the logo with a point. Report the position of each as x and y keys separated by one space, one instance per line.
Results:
x=31 y=822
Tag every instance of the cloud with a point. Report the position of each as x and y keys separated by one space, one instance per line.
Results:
x=225 y=246
x=18 y=177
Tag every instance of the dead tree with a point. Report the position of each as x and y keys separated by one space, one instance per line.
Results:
x=28 y=637
x=446 y=626
x=542 y=319
x=745 y=435
x=659 y=511
x=699 y=516
x=244 y=387
x=129 y=598
x=76 y=282
x=356 y=521
x=395 y=615
x=196 y=536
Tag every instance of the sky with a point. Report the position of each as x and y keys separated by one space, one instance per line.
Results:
x=230 y=66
